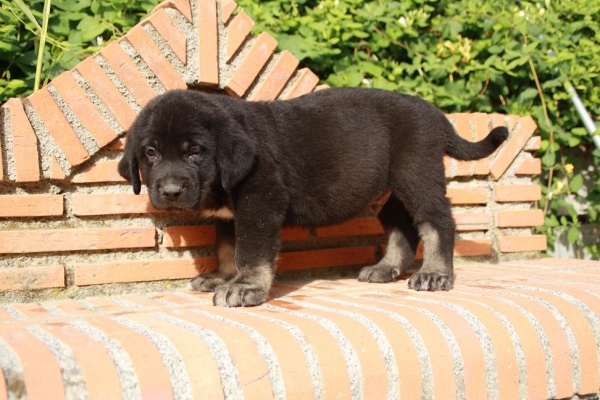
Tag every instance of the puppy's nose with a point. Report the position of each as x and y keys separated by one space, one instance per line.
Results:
x=171 y=191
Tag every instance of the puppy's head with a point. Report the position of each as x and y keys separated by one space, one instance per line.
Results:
x=185 y=145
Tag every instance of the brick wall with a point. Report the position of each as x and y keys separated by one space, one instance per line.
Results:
x=70 y=225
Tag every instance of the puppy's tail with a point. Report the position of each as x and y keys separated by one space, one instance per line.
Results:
x=462 y=149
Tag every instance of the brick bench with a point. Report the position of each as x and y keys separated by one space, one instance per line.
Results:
x=527 y=330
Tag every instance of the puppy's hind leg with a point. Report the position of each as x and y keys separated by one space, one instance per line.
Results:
x=403 y=239
x=227 y=270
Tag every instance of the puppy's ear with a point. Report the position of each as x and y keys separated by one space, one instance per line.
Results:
x=128 y=166
x=235 y=154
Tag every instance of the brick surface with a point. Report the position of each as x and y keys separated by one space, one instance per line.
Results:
x=112 y=204
x=106 y=91
x=102 y=171
x=227 y=9
x=183 y=6
x=141 y=271
x=510 y=328
x=467 y=196
x=128 y=73
x=275 y=80
x=354 y=227
x=25 y=151
x=511 y=244
x=305 y=83
x=165 y=26
x=258 y=55
x=208 y=43
x=32 y=278
x=56 y=172
x=58 y=240
x=79 y=103
x=465 y=248
x=40 y=205
x=534 y=144
x=511 y=148
x=529 y=166
x=326 y=258
x=475 y=221
x=517 y=193
x=237 y=32
x=154 y=58
x=519 y=218
x=58 y=126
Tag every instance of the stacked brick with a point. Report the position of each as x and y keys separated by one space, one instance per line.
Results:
x=67 y=219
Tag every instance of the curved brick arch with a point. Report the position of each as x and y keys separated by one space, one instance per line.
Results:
x=63 y=201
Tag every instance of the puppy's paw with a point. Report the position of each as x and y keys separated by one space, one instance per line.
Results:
x=379 y=273
x=206 y=282
x=239 y=295
x=430 y=281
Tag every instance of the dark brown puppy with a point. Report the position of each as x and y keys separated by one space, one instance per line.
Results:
x=315 y=160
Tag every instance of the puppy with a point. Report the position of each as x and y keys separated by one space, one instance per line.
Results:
x=315 y=160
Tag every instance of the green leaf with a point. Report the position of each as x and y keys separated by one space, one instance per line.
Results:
x=576 y=183
x=28 y=13
x=549 y=158
x=573 y=235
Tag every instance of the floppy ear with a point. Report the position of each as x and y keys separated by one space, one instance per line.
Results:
x=128 y=166
x=235 y=154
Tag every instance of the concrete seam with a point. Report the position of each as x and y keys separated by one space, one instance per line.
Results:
x=142 y=67
x=110 y=73
x=8 y=161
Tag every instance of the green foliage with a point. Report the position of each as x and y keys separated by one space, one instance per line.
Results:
x=488 y=56
x=76 y=29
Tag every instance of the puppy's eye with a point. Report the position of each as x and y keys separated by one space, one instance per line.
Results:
x=151 y=153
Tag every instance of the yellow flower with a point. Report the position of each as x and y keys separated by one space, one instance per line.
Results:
x=569 y=168
x=559 y=186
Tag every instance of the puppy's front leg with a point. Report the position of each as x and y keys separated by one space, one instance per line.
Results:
x=257 y=244
x=225 y=250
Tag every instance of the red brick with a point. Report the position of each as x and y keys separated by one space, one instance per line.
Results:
x=183 y=6
x=305 y=83
x=512 y=244
x=534 y=144
x=106 y=91
x=37 y=205
x=89 y=116
x=476 y=221
x=142 y=271
x=519 y=218
x=208 y=43
x=227 y=9
x=58 y=240
x=258 y=55
x=204 y=235
x=102 y=171
x=164 y=25
x=518 y=193
x=97 y=367
x=275 y=80
x=32 y=278
x=462 y=124
x=529 y=166
x=187 y=236
x=196 y=356
x=464 y=168
x=465 y=248
x=237 y=32
x=248 y=361
x=150 y=370
x=41 y=372
x=56 y=171
x=58 y=126
x=326 y=258
x=118 y=145
x=128 y=73
x=112 y=204
x=154 y=58
x=25 y=151
x=354 y=227
x=467 y=196
x=511 y=148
